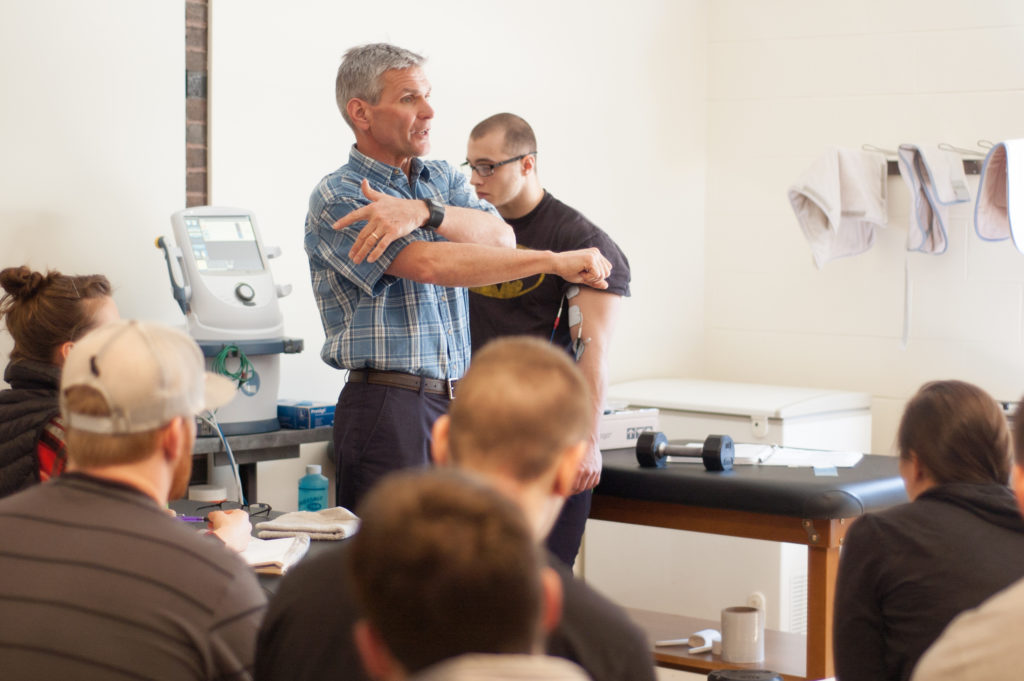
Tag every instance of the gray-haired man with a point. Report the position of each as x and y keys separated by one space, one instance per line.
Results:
x=391 y=241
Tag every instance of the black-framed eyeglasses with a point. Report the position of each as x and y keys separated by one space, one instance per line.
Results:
x=254 y=510
x=487 y=169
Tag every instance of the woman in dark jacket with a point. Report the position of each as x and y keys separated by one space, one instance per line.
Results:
x=45 y=315
x=904 y=573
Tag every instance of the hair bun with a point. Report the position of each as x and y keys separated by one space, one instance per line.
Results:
x=21 y=282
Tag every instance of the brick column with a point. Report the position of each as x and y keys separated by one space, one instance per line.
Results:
x=196 y=69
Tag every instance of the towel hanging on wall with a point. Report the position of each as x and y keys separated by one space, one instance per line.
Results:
x=839 y=201
x=999 y=212
x=936 y=180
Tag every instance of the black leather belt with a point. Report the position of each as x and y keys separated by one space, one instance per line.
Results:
x=396 y=379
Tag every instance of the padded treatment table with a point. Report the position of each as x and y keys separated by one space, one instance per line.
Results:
x=773 y=503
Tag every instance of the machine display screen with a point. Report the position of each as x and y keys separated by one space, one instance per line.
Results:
x=223 y=243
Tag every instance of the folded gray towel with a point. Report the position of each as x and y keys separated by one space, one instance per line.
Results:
x=840 y=201
x=327 y=524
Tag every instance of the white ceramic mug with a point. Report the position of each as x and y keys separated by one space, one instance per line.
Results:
x=742 y=635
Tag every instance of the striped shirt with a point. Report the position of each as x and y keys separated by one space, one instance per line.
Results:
x=372 y=319
x=98 y=582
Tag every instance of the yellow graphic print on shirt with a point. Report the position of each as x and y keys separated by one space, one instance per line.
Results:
x=510 y=289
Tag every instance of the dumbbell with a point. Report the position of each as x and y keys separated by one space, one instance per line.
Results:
x=653 y=450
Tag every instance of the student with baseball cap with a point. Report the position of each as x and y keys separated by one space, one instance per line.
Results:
x=96 y=579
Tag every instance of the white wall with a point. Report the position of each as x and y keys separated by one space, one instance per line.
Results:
x=639 y=110
x=92 y=142
x=788 y=77
x=615 y=93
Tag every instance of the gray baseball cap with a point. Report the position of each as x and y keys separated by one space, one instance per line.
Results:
x=148 y=373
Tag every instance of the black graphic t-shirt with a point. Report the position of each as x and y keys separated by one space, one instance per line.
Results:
x=529 y=306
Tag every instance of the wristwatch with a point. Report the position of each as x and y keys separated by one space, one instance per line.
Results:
x=436 y=214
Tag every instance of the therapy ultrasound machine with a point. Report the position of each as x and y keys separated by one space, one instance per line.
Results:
x=229 y=297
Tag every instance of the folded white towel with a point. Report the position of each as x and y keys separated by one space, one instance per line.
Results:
x=839 y=201
x=936 y=180
x=329 y=523
x=999 y=212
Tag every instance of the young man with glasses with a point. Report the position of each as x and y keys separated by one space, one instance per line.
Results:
x=502 y=159
x=391 y=239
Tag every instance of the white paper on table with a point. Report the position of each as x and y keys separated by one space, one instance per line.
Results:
x=770 y=455
x=809 y=458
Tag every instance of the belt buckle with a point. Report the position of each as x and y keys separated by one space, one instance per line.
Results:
x=451 y=388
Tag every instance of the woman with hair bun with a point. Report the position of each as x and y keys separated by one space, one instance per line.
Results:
x=45 y=314
x=906 y=572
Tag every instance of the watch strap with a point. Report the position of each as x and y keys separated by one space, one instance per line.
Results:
x=436 y=209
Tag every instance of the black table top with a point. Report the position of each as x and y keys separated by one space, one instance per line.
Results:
x=873 y=484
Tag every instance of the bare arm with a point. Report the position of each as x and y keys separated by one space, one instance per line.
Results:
x=390 y=217
x=599 y=313
x=469 y=225
x=453 y=264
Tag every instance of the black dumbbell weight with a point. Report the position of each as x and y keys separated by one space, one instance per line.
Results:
x=717 y=451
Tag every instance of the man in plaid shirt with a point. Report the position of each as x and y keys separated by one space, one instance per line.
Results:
x=392 y=240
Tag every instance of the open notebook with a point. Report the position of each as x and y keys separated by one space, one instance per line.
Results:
x=275 y=556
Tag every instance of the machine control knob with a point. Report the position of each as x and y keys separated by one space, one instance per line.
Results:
x=245 y=293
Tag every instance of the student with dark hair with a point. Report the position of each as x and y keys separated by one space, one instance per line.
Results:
x=452 y=585
x=906 y=572
x=45 y=315
x=981 y=644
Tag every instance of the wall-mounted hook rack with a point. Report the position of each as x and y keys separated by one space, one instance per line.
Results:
x=972 y=166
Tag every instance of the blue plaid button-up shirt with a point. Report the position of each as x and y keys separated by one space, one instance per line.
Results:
x=372 y=319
